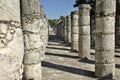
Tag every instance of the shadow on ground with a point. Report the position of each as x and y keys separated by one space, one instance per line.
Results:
x=58 y=48
x=69 y=69
x=61 y=55
x=85 y=60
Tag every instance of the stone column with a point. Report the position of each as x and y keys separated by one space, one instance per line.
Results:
x=42 y=33
x=62 y=30
x=84 y=30
x=65 y=30
x=11 y=41
x=46 y=31
x=74 y=30
x=68 y=30
x=105 y=38
x=31 y=28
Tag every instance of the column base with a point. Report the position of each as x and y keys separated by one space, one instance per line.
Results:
x=106 y=71
x=32 y=72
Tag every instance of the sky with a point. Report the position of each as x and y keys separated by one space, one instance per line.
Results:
x=56 y=8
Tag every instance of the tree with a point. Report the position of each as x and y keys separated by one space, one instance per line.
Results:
x=77 y=2
x=53 y=22
x=91 y=2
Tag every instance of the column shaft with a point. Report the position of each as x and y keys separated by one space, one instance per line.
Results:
x=74 y=31
x=84 y=30
x=68 y=29
x=11 y=41
x=105 y=38
x=31 y=28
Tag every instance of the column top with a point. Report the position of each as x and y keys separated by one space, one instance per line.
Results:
x=74 y=12
x=84 y=6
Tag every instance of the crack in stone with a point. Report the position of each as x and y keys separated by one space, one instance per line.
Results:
x=103 y=50
x=30 y=18
x=30 y=32
x=103 y=15
x=7 y=31
x=105 y=34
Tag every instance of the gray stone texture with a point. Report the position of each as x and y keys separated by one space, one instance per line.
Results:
x=84 y=30
x=31 y=28
x=65 y=29
x=68 y=23
x=11 y=41
x=43 y=32
x=74 y=31
x=105 y=38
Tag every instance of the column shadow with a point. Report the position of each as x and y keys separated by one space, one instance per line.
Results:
x=58 y=48
x=69 y=69
x=85 y=60
x=56 y=44
x=61 y=55
x=117 y=65
x=117 y=56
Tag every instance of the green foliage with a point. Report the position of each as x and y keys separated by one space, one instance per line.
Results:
x=77 y=2
x=53 y=22
x=91 y=2
x=61 y=17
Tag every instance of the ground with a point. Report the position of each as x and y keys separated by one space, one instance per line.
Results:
x=61 y=63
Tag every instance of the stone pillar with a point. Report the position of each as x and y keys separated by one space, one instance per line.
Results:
x=31 y=28
x=65 y=30
x=105 y=38
x=62 y=29
x=68 y=30
x=84 y=30
x=42 y=33
x=11 y=41
x=74 y=31
x=46 y=31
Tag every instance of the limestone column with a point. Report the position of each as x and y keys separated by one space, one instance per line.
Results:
x=31 y=28
x=84 y=30
x=65 y=30
x=105 y=38
x=68 y=30
x=74 y=31
x=46 y=31
x=42 y=33
x=62 y=29
x=11 y=41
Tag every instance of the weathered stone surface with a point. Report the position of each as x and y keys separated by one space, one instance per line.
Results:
x=32 y=57
x=84 y=46
x=11 y=41
x=42 y=38
x=84 y=30
x=105 y=57
x=106 y=70
x=68 y=23
x=105 y=42
x=74 y=30
x=105 y=38
x=105 y=9
x=32 y=72
x=65 y=29
x=31 y=28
